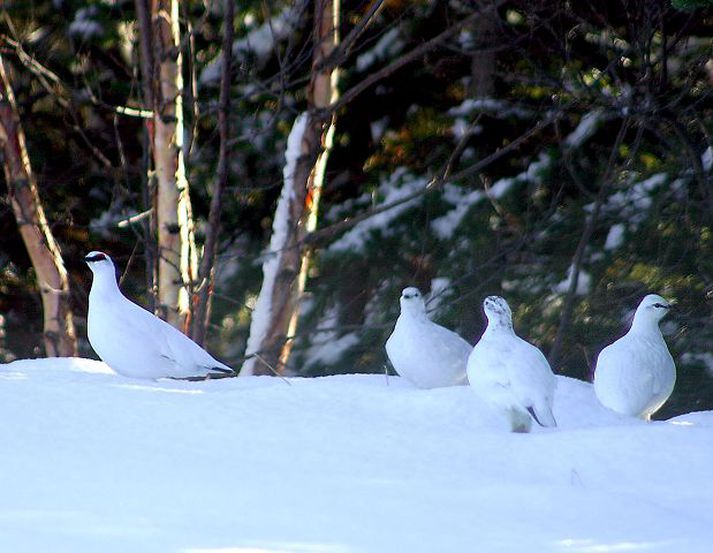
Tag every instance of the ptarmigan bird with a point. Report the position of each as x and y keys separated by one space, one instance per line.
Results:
x=133 y=341
x=427 y=354
x=636 y=374
x=509 y=373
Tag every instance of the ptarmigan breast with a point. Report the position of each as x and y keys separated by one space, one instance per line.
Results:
x=426 y=354
x=636 y=374
x=510 y=374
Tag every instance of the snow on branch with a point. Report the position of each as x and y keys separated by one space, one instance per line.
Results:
x=400 y=185
x=588 y=125
x=260 y=42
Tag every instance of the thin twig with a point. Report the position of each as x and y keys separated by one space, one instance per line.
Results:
x=272 y=369
x=405 y=59
x=578 y=256
x=339 y=54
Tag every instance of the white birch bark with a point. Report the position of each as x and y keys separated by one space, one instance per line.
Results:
x=177 y=265
x=271 y=348
x=265 y=310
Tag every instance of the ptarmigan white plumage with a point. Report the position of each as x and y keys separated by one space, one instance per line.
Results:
x=134 y=342
x=636 y=374
x=427 y=354
x=509 y=373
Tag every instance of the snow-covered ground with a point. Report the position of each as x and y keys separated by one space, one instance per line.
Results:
x=94 y=462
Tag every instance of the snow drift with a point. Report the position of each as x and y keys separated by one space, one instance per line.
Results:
x=92 y=461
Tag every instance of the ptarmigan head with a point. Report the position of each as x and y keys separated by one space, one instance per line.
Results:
x=652 y=308
x=412 y=301
x=497 y=311
x=101 y=265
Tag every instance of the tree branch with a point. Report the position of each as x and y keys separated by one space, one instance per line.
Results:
x=435 y=183
x=338 y=56
x=578 y=256
x=206 y=269
x=410 y=57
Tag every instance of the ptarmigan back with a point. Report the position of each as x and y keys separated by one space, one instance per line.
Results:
x=636 y=374
x=510 y=374
x=134 y=342
x=427 y=354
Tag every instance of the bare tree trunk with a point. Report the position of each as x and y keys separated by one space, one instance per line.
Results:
x=206 y=269
x=58 y=333
x=143 y=15
x=482 y=66
x=177 y=265
x=291 y=274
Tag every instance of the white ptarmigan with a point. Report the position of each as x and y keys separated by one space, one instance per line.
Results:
x=636 y=374
x=426 y=354
x=133 y=341
x=510 y=374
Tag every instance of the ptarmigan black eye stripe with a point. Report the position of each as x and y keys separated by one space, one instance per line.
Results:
x=97 y=257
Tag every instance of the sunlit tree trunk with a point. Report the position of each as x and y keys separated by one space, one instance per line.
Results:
x=177 y=264
x=291 y=275
x=58 y=331
x=319 y=138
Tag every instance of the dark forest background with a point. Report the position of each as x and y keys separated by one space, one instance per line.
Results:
x=556 y=153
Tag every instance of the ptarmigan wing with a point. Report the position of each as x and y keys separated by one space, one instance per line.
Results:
x=533 y=382
x=427 y=354
x=166 y=345
x=453 y=350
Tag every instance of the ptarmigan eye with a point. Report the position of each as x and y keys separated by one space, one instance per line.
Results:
x=95 y=257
